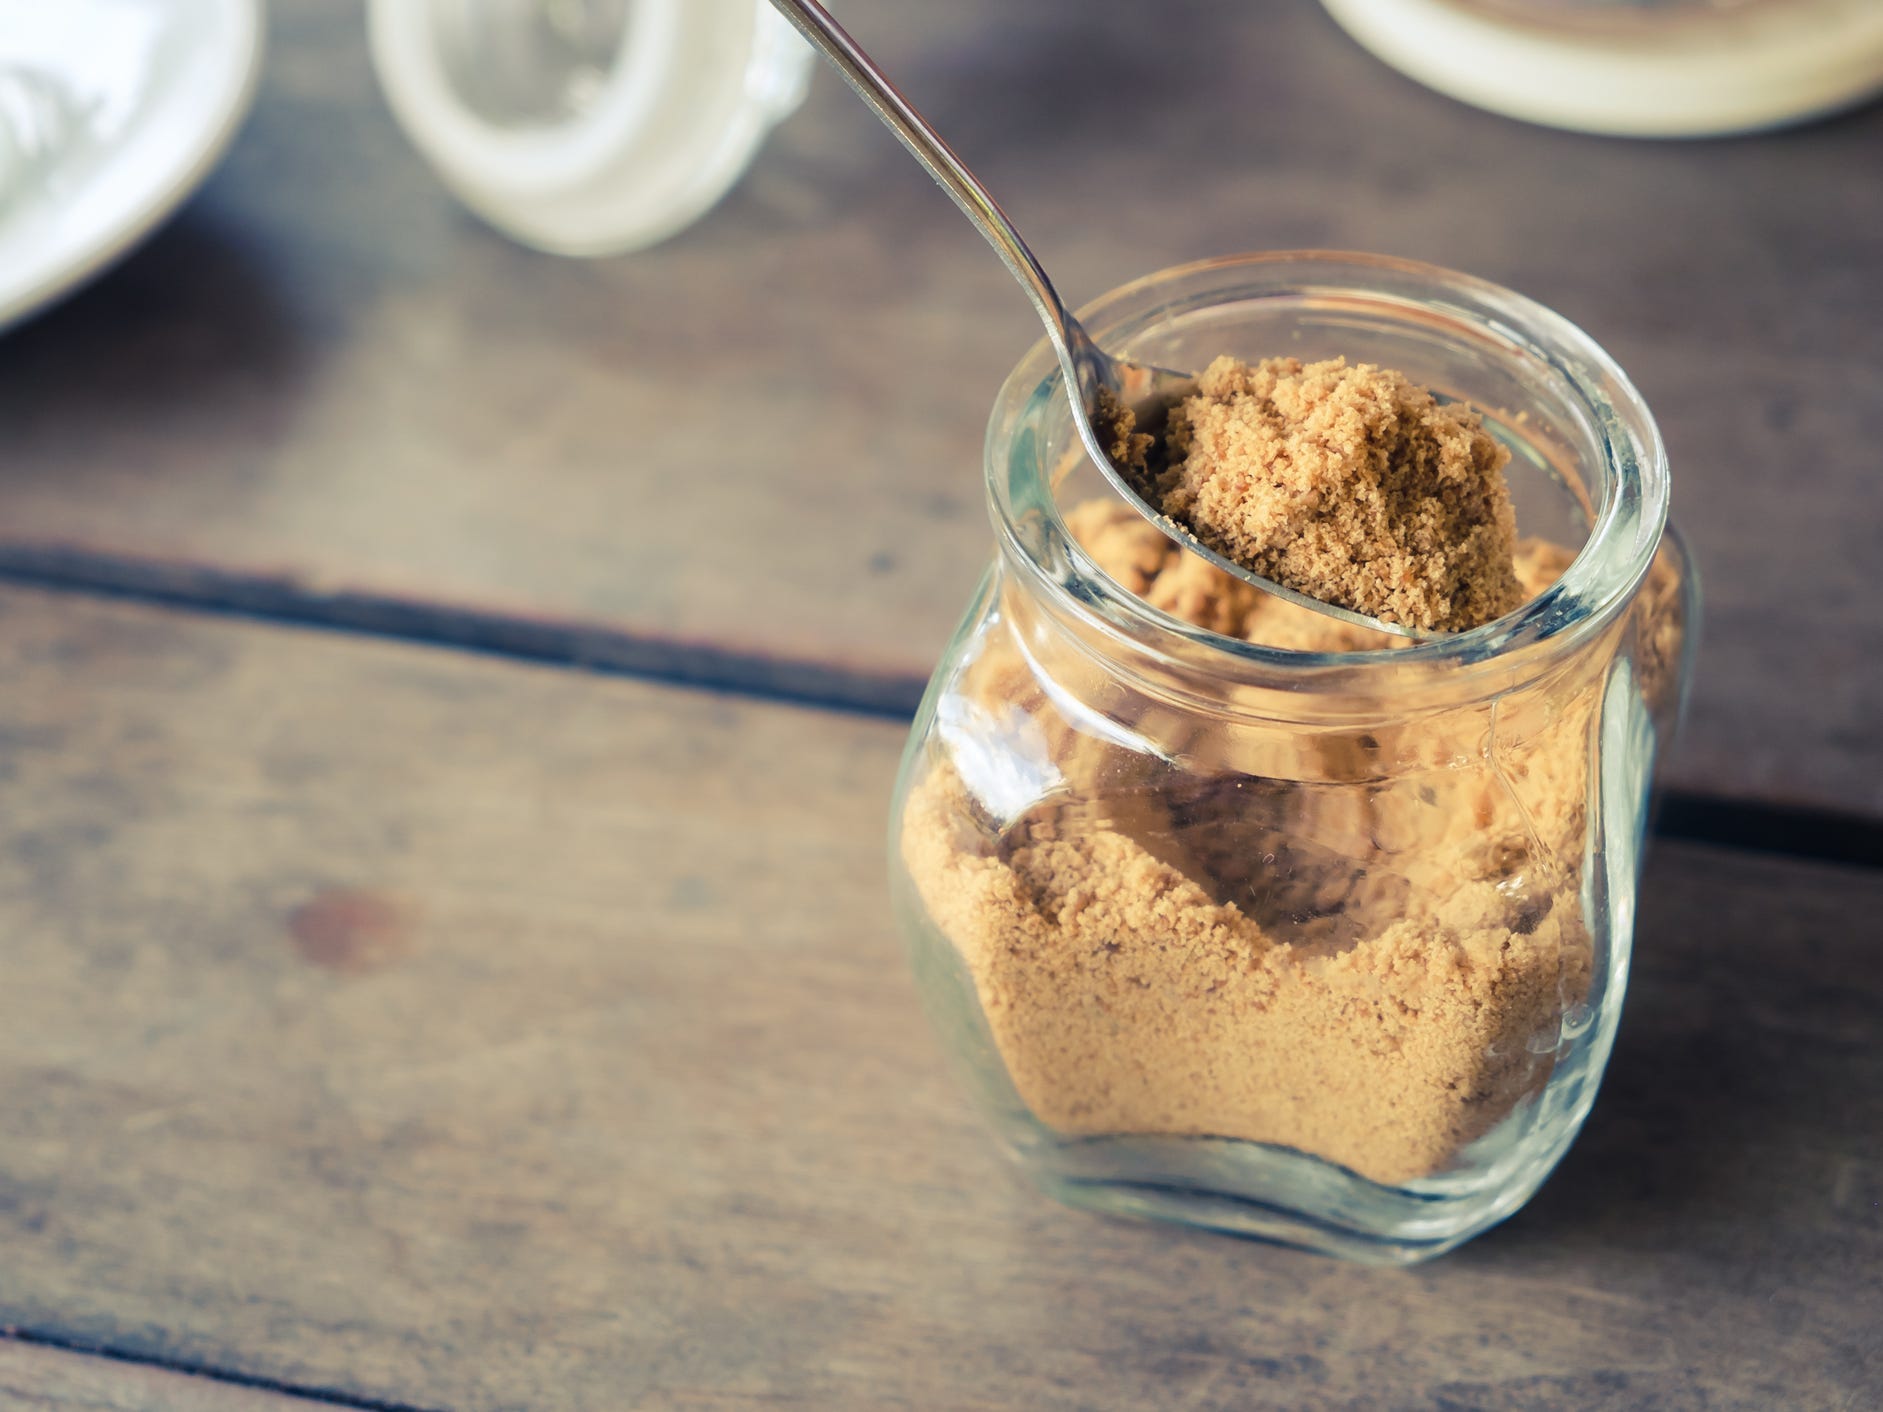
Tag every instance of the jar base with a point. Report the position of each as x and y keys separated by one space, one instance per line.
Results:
x=1237 y=1216
x=1286 y=1197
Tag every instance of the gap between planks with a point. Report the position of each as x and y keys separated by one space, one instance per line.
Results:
x=66 y=1371
x=1775 y=827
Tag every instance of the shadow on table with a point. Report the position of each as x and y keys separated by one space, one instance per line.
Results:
x=1745 y=1097
x=183 y=323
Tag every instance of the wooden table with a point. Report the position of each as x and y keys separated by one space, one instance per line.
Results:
x=393 y=1025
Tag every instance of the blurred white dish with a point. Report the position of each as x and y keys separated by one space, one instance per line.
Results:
x=111 y=113
x=1633 y=68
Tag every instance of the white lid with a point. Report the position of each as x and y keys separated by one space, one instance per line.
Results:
x=1668 y=70
x=648 y=139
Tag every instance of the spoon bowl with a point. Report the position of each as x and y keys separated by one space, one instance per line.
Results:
x=1088 y=370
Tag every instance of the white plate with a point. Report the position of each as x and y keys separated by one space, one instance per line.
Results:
x=124 y=107
x=1646 y=70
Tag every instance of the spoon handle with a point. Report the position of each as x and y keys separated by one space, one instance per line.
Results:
x=813 y=21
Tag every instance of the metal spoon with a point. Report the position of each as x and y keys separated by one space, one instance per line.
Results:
x=1088 y=368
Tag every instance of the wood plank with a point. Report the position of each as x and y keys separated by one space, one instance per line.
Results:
x=327 y=387
x=34 y=1378
x=439 y=1030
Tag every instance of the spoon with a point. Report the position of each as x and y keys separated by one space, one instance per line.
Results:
x=1088 y=369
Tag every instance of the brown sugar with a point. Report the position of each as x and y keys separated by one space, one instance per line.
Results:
x=1373 y=972
x=1124 y=998
x=1142 y=558
x=1346 y=482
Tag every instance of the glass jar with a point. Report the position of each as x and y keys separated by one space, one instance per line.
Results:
x=1232 y=916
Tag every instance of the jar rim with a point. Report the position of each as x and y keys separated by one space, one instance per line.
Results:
x=1625 y=530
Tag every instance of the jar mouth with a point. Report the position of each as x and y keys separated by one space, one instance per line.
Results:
x=1524 y=347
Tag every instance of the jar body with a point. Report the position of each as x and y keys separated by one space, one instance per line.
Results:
x=1325 y=946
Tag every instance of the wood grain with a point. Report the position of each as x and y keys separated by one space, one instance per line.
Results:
x=617 y=1094
x=752 y=454
x=38 y=1379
